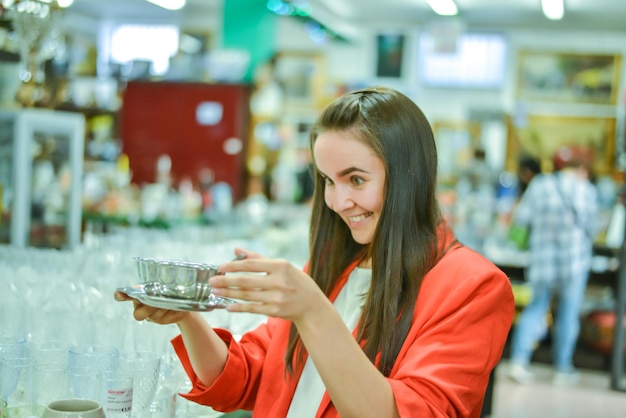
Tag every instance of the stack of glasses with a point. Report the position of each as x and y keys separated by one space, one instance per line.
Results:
x=33 y=376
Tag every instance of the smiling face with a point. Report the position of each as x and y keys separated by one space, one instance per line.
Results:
x=354 y=181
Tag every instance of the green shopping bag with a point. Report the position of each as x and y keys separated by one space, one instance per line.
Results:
x=519 y=235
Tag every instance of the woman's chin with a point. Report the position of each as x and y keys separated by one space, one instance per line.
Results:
x=361 y=238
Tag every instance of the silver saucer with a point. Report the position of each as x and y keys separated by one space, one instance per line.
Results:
x=139 y=292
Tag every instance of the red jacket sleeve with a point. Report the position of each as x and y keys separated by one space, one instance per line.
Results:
x=236 y=386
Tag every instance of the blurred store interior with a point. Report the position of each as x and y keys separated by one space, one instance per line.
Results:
x=130 y=129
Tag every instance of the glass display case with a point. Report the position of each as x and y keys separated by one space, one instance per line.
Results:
x=41 y=166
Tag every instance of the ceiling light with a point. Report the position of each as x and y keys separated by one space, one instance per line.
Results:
x=553 y=9
x=443 y=7
x=169 y=4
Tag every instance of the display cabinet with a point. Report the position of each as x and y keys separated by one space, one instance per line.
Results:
x=41 y=165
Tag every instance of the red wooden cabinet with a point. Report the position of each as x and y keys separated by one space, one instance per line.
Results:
x=198 y=125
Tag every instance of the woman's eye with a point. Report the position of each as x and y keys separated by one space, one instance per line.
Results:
x=357 y=181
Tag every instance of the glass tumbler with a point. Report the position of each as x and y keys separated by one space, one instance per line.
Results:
x=17 y=387
x=104 y=358
x=13 y=347
x=51 y=383
x=85 y=383
x=87 y=365
x=144 y=367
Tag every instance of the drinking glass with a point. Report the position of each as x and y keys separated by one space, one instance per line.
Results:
x=144 y=367
x=51 y=381
x=163 y=407
x=16 y=386
x=51 y=352
x=13 y=347
x=104 y=358
x=85 y=383
x=87 y=365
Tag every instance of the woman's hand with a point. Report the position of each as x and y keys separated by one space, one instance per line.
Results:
x=151 y=314
x=268 y=286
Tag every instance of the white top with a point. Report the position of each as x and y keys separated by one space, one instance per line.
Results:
x=349 y=303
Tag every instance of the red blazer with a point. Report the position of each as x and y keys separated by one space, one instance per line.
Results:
x=462 y=318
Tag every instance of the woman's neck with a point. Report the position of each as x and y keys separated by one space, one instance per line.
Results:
x=365 y=264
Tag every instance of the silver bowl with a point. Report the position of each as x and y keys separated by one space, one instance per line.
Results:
x=176 y=279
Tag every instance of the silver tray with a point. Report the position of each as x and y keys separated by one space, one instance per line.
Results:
x=139 y=292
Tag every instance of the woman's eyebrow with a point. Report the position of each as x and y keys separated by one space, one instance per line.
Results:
x=351 y=170
x=344 y=172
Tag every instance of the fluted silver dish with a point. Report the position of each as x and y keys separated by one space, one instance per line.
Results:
x=176 y=279
x=176 y=285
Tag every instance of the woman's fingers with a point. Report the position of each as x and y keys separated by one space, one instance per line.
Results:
x=247 y=287
x=252 y=307
x=141 y=311
x=248 y=295
x=164 y=316
x=251 y=280
x=254 y=264
x=120 y=296
x=159 y=316
x=148 y=313
x=242 y=253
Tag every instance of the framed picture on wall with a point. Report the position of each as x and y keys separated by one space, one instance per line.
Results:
x=569 y=77
x=302 y=76
x=542 y=135
x=456 y=143
x=389 y=55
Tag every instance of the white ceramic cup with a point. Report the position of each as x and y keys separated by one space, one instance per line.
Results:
x=73 y=408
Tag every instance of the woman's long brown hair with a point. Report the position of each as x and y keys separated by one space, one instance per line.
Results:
x=404 y=245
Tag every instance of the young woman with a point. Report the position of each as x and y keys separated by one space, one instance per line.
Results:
x=392 y=317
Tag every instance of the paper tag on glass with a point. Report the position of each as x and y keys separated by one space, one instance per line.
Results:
x=119 y=400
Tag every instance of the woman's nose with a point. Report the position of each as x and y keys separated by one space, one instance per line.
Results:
x=341 y=199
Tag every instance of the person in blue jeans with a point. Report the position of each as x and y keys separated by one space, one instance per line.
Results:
x=561 y=208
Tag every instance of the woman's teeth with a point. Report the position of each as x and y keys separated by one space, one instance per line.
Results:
x=358 y=218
